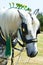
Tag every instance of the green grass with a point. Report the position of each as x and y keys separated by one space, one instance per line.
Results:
x=40 y=44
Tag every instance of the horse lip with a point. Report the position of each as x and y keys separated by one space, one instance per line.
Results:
x=33 y=55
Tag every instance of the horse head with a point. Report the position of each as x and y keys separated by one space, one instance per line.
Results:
x=29 y=28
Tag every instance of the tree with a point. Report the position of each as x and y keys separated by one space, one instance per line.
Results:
x=40 y=17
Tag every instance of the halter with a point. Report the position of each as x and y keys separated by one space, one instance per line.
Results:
x=25 y=40
x=23 y=32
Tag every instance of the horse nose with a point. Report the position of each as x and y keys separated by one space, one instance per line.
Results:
x=33 y=54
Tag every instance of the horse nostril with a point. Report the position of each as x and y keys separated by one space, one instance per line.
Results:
x=33 y=54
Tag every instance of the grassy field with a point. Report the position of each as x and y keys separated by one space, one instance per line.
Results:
x=24 y=60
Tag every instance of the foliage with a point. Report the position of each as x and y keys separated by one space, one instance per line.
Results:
x=40 y=17
x=19 y=6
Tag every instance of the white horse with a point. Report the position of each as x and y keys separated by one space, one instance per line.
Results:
x=28 y=31
x=11 y=20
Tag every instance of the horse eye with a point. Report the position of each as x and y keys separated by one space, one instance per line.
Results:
x=23 y=29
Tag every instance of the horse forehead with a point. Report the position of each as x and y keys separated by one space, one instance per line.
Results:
x=35 y=20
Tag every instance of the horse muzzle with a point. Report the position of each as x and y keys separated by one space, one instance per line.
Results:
x=33 y=54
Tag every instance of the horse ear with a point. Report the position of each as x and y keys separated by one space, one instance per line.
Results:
x=36 y=12
x=21 y=14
